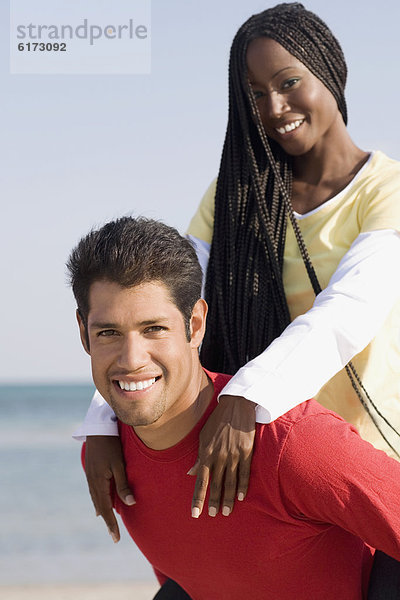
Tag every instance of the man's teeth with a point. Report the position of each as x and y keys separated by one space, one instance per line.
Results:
x=290 y=126
x=132 y=386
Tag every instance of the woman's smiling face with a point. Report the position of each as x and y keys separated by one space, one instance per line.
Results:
x=295 y=107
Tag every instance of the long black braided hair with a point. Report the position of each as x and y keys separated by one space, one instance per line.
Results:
x=244 y=286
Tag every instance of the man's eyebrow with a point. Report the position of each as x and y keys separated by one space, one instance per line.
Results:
x=99 y=325
x=153 y=321
x=103 y=325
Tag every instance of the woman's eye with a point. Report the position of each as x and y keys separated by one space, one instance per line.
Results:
x=290 y=83
x=258 y=94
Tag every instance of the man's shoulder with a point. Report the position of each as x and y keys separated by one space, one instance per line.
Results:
x=219 y=380
x=311 y=411
x=313 y=439
x=305 y=427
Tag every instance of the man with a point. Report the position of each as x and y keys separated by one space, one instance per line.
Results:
x=319 y=496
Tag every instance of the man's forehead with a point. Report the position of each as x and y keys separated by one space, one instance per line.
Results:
x=143 y=300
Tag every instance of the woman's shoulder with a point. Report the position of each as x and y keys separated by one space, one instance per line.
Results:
x=202 y=224
x=381 y=167
x=379 y=178
x=378 y=194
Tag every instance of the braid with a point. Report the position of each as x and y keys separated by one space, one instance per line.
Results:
x=244 y=286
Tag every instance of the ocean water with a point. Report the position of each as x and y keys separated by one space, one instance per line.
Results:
x=48 y=529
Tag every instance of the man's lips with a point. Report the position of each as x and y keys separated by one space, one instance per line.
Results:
x=137 y=385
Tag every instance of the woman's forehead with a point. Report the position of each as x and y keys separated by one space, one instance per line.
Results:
x=267 y=56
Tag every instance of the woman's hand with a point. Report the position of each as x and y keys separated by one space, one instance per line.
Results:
x=104 y=462
x=225 y=451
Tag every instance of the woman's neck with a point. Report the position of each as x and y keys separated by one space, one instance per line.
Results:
x=325 y=171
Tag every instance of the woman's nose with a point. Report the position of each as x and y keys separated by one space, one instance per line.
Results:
x=276 y=105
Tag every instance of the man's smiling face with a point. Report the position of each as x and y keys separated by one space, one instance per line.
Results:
x=142 y=362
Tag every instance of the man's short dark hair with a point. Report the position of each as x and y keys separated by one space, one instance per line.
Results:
x=132 y=251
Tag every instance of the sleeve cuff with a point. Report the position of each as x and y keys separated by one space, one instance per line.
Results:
x=281 y=397
x=94 y=429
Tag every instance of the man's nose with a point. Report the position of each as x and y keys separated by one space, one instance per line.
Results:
x=133 y=354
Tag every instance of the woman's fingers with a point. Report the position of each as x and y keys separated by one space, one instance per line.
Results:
x=216 y=483
x=104 y=507
x=200 y=489
x=104 y=463
x=225 y=451
x=193 y=470
x=121 y=484
x=230 y=487
x=244 y=473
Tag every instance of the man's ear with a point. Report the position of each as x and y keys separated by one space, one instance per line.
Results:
x=198 y=323
x=83 y=332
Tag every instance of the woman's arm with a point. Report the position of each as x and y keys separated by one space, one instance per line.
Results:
x=104 y=464
x=100 y=420
x=343 y=320
x=345 y=317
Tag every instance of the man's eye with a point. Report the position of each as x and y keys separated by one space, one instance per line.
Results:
x=154 y=329
x=107 y=333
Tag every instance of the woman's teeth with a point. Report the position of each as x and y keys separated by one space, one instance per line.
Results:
x=289 y=126
x=133 y=386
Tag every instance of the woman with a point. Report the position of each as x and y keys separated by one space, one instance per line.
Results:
x=299 y=208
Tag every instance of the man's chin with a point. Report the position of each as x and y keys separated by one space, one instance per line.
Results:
x=134 y=420
x=135 y=415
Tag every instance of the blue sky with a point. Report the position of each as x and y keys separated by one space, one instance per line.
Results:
x=78 y=150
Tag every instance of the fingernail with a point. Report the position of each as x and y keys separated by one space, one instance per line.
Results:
x=129 y=500
x=226 y=511
x=114 y=536
x=212 y=511
x=241 y=496
x=190 y=472
x=195 y=512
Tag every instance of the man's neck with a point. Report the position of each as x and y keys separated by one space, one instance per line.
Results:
x=175 y=426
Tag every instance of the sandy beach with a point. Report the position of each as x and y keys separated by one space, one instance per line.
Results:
x=103 y=591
